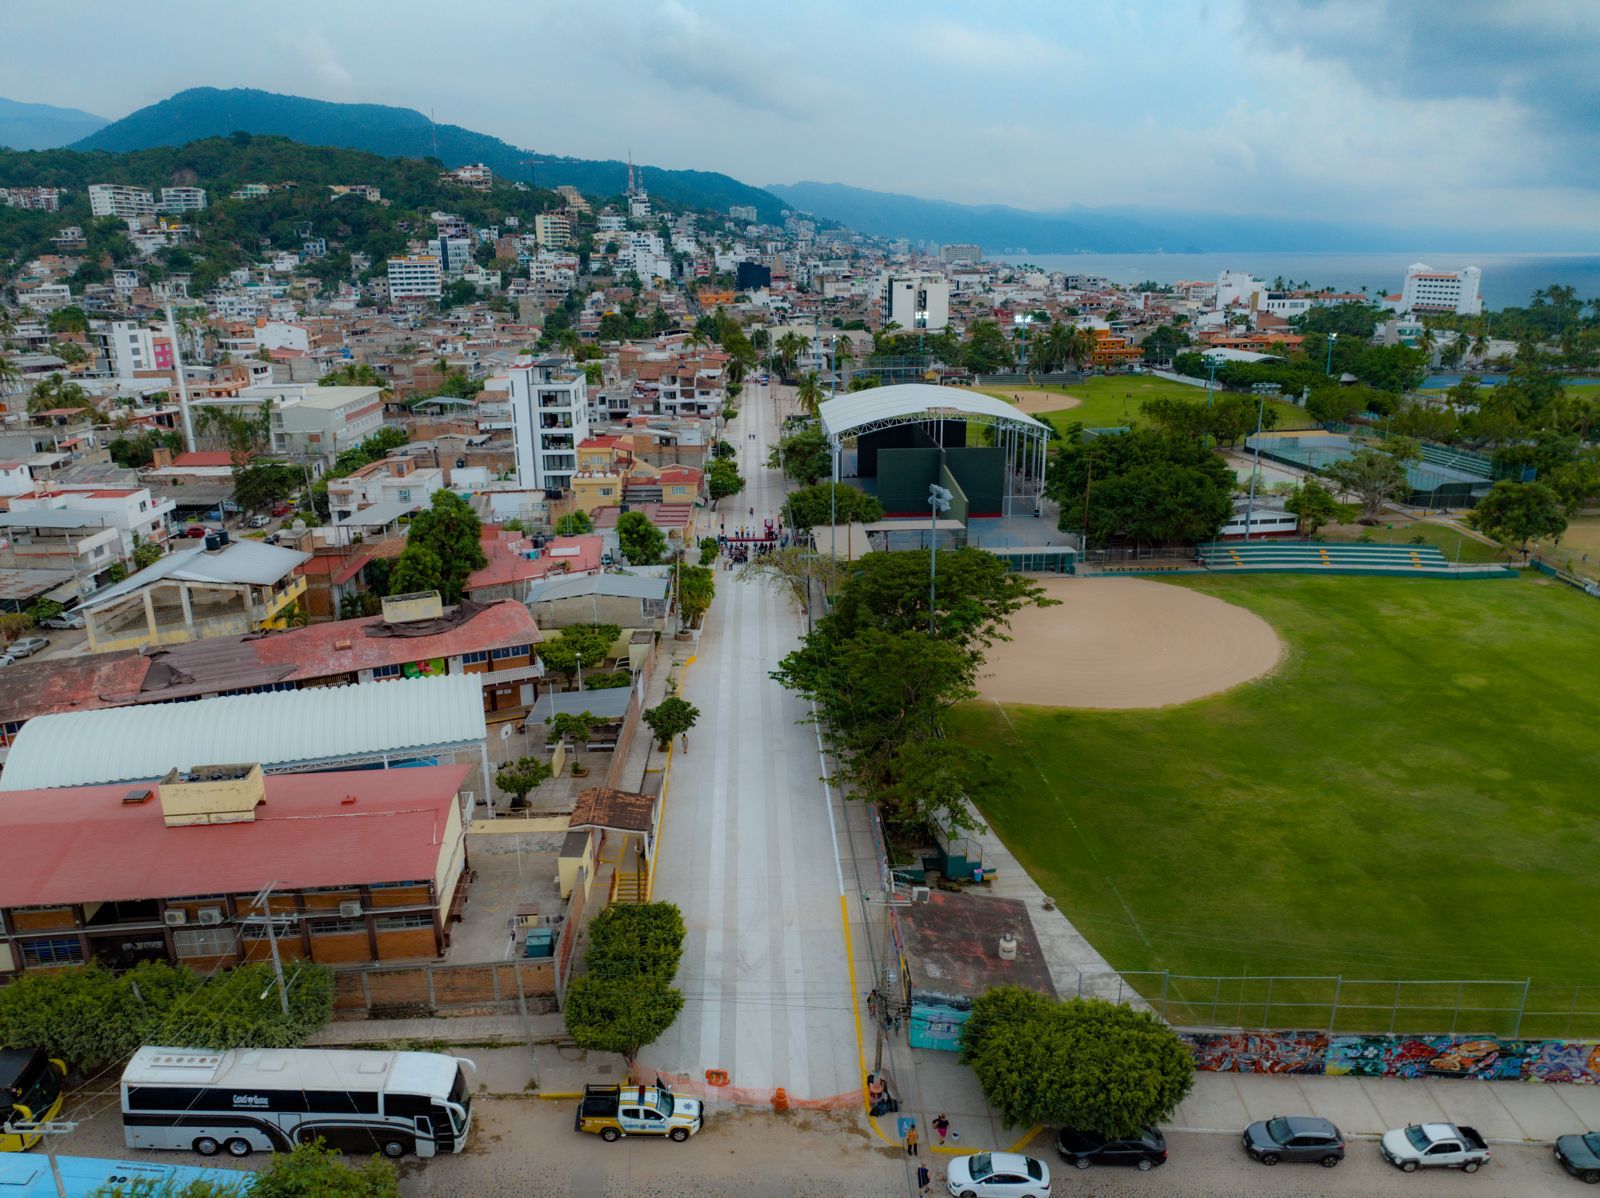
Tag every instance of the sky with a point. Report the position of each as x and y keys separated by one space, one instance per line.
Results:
x=1465 y=111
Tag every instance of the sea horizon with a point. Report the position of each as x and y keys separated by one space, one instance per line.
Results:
x=1508 y=280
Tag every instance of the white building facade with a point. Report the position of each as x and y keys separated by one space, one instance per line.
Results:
x=549 y=417
x=917 y=303
x=182 y=199
x=416 y=276
x=116 y=199
x=1429 y=290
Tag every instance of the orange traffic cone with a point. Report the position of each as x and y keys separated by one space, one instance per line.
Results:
x=780 y=1100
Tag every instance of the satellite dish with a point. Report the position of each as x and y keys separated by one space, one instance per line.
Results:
x=505 y=731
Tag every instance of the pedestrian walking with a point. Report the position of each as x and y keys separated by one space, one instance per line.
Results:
x=911 y=1140
x=941 y=1124
x=924 y=1179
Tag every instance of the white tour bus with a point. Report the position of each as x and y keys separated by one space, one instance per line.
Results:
x=271 y=1099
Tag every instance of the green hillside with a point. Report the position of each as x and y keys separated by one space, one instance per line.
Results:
x=208 y=112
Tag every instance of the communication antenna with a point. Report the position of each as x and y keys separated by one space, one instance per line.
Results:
x=433 y=130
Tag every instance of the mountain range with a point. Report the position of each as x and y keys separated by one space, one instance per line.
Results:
x=202 y=112
x=43 y=126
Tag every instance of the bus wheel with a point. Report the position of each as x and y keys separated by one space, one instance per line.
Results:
x=206 y=1146
x=238 y=1146
x=394 y=1148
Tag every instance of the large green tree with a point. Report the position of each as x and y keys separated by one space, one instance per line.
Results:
x=723 y=479
x=443 y=547
x=804 y=456
x=1315 y=505
x=1517 y=513
x=1081 y=1063
x=1145 y=486
x=641 y=542
x=1373 y=477
x=624 y=999
x=809 y=507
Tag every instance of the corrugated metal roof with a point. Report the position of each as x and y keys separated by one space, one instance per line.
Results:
x=237 y=562
x=581 y=586
x=379 y=514
x=278 y=728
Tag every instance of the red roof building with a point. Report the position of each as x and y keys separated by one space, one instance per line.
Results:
x=364 y=865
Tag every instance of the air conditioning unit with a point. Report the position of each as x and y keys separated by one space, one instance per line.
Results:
x=349 y=910
x=175 y=919
x=210 y=916
x=919 y=894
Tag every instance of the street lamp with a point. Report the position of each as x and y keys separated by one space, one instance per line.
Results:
x=1211 y=378
x=1332 y=337
x=938 y=501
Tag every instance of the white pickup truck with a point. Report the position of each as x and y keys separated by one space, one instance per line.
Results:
x=1434 y=1146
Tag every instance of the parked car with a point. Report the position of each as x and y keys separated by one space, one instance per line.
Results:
x=1434 y=1146
x=1580 y=1156
x=282 y=509
x=197 y=530
x=612 y=1112
x=1084 y=1148
x=66 y=620
x=998 y=1175
x=26 y=646
x=260 y=521
x=1303 y=1139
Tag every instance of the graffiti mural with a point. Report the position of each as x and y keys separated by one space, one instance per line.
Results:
x=1258 y=1052
x=1479 y=1058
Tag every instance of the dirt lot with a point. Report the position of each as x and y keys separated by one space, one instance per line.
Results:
x=1127 y=642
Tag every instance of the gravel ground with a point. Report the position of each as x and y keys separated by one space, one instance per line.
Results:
x=526 y=1148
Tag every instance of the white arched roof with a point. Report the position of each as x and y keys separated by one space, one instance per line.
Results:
x=274 y=729
x=906 y=402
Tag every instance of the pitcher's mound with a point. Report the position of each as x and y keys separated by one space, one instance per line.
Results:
x=1127 y=642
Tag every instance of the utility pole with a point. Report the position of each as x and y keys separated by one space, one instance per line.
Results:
x=262 y=901
x=183 y=383
x=1255 y=473
x=938 y=501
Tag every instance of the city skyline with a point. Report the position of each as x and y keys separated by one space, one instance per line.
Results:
x=1473 y=114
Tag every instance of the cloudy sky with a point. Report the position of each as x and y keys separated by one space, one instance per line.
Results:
x=1467 y=111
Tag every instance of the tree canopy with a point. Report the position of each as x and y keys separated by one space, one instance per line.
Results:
x=1081 y=1063
x=804 y=456
x=1517 y=513
x=809 y=507
x=1146 y=486
x=442 y=549
x=625 y=999
x=641 y=542
x=1375 y=478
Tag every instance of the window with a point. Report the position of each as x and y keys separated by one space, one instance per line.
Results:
x=330 y=927
x=282 y=925
x=474 y=657
x=63 y=951
x=204 y=942
x=411 y=919
x=386 y=671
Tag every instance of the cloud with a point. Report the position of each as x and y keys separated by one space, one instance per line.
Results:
x=313 y=49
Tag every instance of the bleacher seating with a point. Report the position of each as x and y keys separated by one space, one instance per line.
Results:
x=1332 y=556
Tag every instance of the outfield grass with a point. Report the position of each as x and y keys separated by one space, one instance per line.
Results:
x=1412 y=795
x=1112 y=402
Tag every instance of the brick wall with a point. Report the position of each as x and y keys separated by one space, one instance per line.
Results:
x=411 y=991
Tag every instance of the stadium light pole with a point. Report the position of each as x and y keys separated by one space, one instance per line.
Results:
x=1332 y=337
x=938 y=501
x=1255 y=471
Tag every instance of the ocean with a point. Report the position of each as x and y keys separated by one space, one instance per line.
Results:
x=1509 y=280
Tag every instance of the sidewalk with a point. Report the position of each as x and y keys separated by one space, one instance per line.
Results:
x=1363 y=1106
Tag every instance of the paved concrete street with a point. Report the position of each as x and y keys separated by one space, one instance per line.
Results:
x=746 y=847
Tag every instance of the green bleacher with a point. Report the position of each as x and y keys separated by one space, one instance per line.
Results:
x=1338 y=558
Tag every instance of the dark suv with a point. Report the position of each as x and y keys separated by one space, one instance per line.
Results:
x=1084 y=1148
x=1301 y=1138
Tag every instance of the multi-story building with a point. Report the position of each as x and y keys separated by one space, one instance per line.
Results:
x=131 y=510
x=40 y=199
x=117 y=199
x=395 y=480
x=1429 y=290
x=552 y=230
x=474 y=175
x=251 y=191
x=574 y=199
x=960 y=253
x=329 y=420
x=744 y=212
x=135 y=347
x=454 y=255
x=917 y=303
x=416 y=276
x=549 y=417
x=610 y=222
x=182 y=199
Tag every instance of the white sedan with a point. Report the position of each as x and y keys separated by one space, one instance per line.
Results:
x=998 y=1175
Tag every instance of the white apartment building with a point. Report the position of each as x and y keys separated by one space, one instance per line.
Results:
x=397 y=480
x=1429 y=290
x=1236 y=286
x=610 y=222
x=135 y=347
x=416 y=276
x=549 y=417
x=40 y=199
x=117 y=199
x=744 y=212
x=638 y=205
x=552 y=230
x=132 y=511
x=917 y=303
x=453 y=253
x=960 y=253
x=182 y=199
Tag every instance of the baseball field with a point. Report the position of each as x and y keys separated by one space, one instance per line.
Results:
x=1405 y=788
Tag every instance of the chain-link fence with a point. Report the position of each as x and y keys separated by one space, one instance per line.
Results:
x=1525 y=1008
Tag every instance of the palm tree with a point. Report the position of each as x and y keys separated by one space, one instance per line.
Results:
x=735 y=371
x=1084 y=343
x=809 y=394
x=1053 y=350
x=790 y=346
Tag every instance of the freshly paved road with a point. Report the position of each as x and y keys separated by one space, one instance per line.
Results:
x=746 y=848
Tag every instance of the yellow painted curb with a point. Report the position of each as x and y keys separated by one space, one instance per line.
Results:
x=559 y=1097
x=666 y=781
